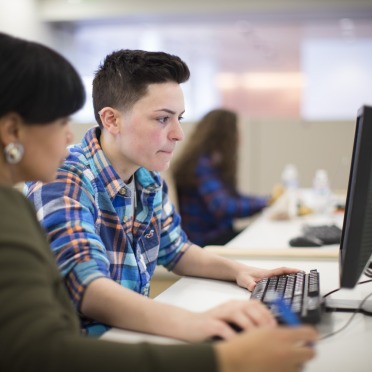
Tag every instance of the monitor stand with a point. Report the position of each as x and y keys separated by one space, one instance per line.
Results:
x=350 y=299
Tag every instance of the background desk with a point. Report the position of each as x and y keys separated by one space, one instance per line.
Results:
x=349 y=350
x=266 y=237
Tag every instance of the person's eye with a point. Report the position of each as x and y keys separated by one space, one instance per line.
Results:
x=163 y=119
x=180 y=118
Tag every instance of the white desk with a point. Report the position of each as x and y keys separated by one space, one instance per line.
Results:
x=266 y=237
x=350 y=350
x=265 y=244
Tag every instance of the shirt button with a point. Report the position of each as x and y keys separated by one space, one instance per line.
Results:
x=122 y=191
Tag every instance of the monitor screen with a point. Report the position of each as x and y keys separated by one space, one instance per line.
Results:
x=356 y=240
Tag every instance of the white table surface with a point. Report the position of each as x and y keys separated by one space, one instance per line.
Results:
x=265 y=244
x=349 y=350
x=270 y=238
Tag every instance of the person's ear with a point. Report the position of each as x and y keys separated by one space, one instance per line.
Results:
x=10 y=127
x=110 y=119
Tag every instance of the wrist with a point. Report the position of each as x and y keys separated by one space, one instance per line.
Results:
x=225 y=357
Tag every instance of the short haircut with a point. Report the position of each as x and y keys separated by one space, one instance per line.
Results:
x=123 y=77
x=36 y=82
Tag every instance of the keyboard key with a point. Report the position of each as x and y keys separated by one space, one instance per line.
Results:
x=300 y=291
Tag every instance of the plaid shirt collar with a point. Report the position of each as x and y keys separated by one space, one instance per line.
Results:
x=105 y=171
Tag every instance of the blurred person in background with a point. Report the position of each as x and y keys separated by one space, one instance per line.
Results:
x=205 y=175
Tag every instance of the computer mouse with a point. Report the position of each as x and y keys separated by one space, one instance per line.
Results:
x=305 y=241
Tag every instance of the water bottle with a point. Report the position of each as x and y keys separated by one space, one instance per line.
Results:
x=290 y=183
x=321 y=191
x=290 y=177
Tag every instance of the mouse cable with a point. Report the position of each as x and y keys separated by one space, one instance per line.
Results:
x=358 y=310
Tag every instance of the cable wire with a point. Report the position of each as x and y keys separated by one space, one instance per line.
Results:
x=358 y=310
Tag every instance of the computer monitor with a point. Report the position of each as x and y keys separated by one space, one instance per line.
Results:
x=356 y=240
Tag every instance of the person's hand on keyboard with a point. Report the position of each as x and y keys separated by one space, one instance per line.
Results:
x=248 y=276
x=224 y=321
x=237 y=316
x=279 y=349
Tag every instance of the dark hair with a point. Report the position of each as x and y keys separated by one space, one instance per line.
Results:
x=215 y=133
x=37 y=82
x=124 y=76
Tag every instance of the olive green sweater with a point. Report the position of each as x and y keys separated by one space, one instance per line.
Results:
x=39 y=330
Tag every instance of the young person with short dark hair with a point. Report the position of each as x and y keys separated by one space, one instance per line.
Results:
x=39 y=329
x=109 y=218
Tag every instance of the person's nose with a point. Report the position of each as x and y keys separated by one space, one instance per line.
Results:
x=177 y=133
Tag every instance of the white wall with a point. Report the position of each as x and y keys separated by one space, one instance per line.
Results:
x=62 y=10
x=267 y=145
x=22 y=18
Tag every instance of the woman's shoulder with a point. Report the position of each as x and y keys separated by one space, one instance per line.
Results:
x=18 y=221
x=11 y=196
x=15 y=207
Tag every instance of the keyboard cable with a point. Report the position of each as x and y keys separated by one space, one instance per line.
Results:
x=358 y=310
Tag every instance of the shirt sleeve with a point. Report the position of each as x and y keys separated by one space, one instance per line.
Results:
x=68 y=213
x=173 y=240
x=219 y=199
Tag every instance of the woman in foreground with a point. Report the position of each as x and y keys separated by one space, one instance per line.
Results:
x=39 y=329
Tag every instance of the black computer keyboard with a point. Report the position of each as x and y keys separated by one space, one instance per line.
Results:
x=299 y=291
x=328 y=234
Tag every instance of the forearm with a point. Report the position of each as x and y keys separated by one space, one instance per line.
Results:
x=201 y=263
x=109 y=303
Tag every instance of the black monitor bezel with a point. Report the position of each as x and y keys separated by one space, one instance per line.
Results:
x=356 y=240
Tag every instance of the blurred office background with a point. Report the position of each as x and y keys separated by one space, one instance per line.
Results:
x=295 y=71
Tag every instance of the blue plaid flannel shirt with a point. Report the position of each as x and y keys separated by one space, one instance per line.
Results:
x=209 y=209
x=86 y=213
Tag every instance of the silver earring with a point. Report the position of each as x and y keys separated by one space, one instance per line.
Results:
x=14 y=152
